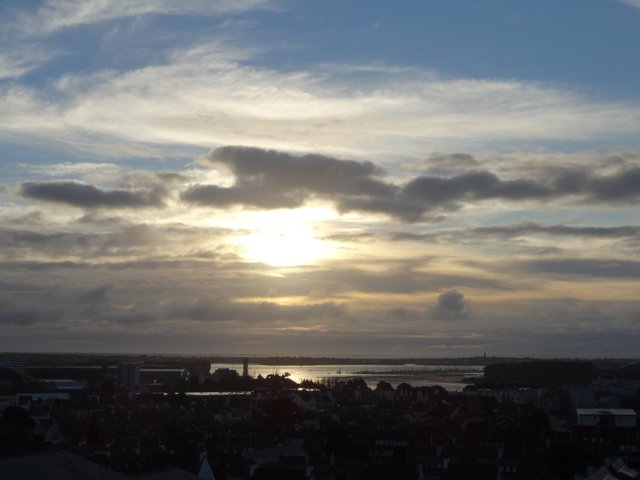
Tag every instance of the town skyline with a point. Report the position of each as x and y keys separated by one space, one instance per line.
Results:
x=338 y=179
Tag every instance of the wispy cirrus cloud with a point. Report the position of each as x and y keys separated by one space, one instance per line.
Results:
x=55 y=15
x=67 y=169
x=18 y=61
x=210 y=94
x=632 y=3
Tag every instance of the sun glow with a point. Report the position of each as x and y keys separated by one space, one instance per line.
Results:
x=285 y=246
x=285 y=238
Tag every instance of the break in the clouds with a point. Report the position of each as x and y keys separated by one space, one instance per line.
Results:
x=263 y=176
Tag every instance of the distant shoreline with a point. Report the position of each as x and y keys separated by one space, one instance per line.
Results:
x=35 y=359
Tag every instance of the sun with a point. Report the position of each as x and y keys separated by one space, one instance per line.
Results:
x=285 y=246
x=283 y=238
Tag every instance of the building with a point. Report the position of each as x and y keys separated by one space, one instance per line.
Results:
x=606 y=417
x=14 y=365
x=129 y=375
x=224 y=374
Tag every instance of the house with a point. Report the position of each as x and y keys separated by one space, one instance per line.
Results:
x=56 y=465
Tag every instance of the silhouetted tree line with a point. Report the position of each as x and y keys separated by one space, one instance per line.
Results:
x=547 y=373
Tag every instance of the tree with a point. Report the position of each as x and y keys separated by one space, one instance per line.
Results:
x=384 y=386
x=17 y=429
x=357 y=384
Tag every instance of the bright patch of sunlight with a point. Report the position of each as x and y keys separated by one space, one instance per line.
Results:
x=285 y=239
x=284 y=246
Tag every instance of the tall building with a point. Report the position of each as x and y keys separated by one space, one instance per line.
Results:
x=129 y=374
x=245 y=367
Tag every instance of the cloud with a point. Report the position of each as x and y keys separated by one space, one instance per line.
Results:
x=258 y=196
x=397 y=206
x=128 y=296
x=122 y=241
x=269 y=179
x=584 y=267
x=632 y=3
x=477 y=184
x=399 y=114
x=313 y=173
x=28 y=244
x=17 y=61
x=506 y=232
x=449 y=164
x=450 y=193
x=273 y=179
x=98 y=294
x=25 y=316
x=89 y=196
x=350 y=237
x=73 y=168
x=409 y=280
x=207 y=308
x=162 y=298
x=56 y=15
x=402 y=315
x=451 y=305
x=623 y=186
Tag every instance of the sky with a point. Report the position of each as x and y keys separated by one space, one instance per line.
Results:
x=426 y=178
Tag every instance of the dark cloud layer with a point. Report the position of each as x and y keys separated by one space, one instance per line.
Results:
x=450 y=164
x=169 y=298
x=89 y=196
x=79 y=243
x=271 y=179
x=102 y=297
x=128 y=240
x=311 y=173
x=268 y=179
x=207 y=308
x=584 y=267
x=257 y=196
x=505 y=232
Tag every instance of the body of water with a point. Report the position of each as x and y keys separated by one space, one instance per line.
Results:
x=450 y=377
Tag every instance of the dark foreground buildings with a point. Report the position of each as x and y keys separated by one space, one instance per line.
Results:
x=230 y=426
